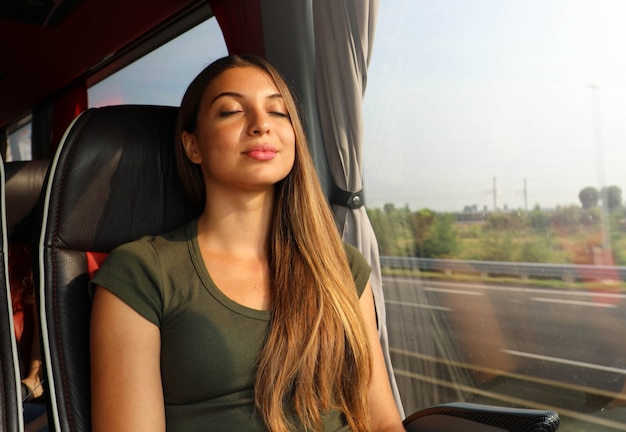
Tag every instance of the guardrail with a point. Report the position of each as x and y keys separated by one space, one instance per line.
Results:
x=567 y=272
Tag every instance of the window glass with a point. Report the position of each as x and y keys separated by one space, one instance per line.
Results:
x=494 y=168
x=19 y=146
x=161 y=77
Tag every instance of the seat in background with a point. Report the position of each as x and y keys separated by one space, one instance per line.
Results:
x=10 y=394
x=24 y=180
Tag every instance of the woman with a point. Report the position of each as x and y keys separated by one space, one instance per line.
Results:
x=249 y=317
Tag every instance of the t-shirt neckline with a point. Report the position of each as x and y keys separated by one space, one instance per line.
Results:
x=209 y=284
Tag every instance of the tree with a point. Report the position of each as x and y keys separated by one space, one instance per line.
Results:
x=441 y=240
x=613 y=196
x=392 y=228
x=538 y=220
x=589 y=197
x=421 y=222
x=389 y=208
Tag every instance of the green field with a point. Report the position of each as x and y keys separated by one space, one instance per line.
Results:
x=565 y=235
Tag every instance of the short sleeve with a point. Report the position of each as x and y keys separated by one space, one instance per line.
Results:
x=359 y=267
x=132 y=273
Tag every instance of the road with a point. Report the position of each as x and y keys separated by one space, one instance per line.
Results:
x=561 y=349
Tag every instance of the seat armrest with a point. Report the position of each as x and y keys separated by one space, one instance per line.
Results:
x=468 y=417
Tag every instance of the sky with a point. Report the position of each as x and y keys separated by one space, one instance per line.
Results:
x=528 y=96
x=465 y=94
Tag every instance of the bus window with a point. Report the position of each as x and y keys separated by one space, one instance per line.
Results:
x=493 y=171
x=160 y=77
x=18 y=138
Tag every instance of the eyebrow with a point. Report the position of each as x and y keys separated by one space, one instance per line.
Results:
x=239 y=96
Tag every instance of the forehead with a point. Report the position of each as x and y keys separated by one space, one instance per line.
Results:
x=244 y=80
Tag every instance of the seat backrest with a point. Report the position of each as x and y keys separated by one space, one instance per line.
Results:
x=113 y=180
x=24 y=181
x=10 y=393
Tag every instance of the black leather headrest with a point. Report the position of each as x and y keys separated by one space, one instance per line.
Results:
x=116 y=179
x=24 y=180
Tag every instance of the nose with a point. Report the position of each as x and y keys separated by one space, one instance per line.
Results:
x=259 y=122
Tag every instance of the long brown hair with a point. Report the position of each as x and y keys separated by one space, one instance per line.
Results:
x=316 y=356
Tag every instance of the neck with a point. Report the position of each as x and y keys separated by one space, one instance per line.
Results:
x=237 y=225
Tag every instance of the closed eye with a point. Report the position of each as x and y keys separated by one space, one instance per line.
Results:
x=228 y=113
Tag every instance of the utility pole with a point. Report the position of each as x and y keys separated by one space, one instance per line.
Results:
x=525 y=197
x=495 y=201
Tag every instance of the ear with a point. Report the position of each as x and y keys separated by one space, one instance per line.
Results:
x=190 y=144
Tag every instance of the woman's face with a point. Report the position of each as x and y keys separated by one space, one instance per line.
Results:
x=244 y=139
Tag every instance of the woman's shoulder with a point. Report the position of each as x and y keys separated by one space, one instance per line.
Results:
x=355 y=257
x=359 y=267
x=158 y=243
x=134 y=271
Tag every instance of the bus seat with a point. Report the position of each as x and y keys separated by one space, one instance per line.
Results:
x=24 y=180
x=10 y=394
x=113 y=180
x=23 y=184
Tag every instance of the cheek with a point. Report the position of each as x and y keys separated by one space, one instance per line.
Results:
x=217 y=142
x=292 y=154
x=289 y=138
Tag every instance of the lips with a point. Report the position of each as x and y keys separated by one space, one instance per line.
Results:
x=261 y=153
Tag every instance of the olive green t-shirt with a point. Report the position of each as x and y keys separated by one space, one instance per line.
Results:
x=209 y=343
